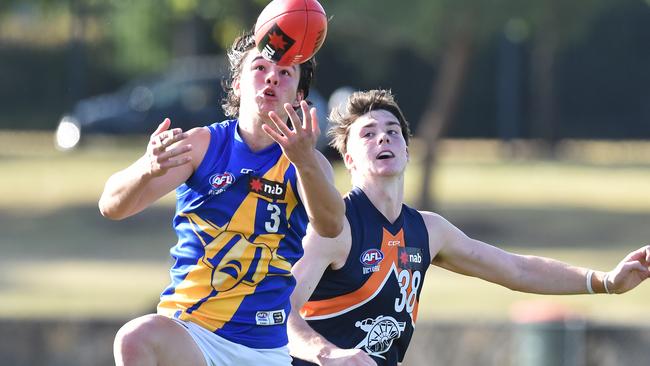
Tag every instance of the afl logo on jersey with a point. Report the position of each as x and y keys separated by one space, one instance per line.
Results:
x=371 y=257
x=370 y=260
x=220 y=182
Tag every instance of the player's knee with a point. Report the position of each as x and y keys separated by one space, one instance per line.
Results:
x=135 y=342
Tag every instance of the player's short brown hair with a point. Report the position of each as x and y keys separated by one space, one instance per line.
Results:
x=358 y=104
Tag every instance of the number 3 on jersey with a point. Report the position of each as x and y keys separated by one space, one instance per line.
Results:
x=274 y=222
x=406 y=298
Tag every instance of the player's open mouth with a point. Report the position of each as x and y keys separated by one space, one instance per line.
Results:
x=269 y=92
x=385 y=155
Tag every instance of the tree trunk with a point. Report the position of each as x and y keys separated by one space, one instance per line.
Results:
x=443 y=101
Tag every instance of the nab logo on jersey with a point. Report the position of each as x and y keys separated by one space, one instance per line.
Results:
x=220 y=182
x=410 y=258
x=267 y=188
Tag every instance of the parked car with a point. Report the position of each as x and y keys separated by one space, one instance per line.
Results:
x=190 y=94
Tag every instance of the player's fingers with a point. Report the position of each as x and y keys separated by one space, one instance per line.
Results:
x=280 y=139
x=315 y=127
x=294 y=117
x=368 y=360
x=279 y=123
x=172 y=163
x=171 y=137
x=162 y=138
x=636 y=266
x=171 y=153
x=162 y=126
x=307 y=119
x=639 y=254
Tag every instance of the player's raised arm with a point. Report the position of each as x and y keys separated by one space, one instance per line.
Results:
x=322 y=201
x=167 y=162
x=304 y=342
x=527 y=273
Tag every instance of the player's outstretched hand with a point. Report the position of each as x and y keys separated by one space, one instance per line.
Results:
x=165 y=151
x=630 y=272
x=348 y=357
x=297 y=143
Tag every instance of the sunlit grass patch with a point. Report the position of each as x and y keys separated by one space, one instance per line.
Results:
x=80 y=288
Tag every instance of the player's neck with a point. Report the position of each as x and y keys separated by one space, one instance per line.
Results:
x=385 y=193
x=250 y=130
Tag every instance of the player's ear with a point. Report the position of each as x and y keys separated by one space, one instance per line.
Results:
x=300 y=95
x=235 y=87
x=347 y=160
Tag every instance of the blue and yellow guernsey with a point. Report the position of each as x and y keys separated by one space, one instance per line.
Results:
x=240 y=223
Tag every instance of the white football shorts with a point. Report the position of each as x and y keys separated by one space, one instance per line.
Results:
x=219 y=351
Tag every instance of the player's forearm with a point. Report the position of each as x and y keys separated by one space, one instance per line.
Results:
x=304 y=342
x=548 y=276
x=322 y=201
x=123 y=191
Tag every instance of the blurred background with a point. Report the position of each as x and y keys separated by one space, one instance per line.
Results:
x=531 y=125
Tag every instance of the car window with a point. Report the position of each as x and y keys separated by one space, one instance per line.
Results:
x=195 y=97
x=141 y=98
x=165 y=94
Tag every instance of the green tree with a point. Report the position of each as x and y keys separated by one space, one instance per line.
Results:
x=147 y=33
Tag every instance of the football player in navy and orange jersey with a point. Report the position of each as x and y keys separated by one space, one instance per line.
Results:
x=246 y=189
x=359 y=292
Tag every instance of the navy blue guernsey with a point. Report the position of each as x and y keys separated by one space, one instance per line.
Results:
x=371 y=302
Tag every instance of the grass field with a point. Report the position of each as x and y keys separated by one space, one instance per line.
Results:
x=61 y=258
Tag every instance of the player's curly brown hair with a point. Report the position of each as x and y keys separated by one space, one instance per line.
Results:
x=358 y=104
x=236 y=56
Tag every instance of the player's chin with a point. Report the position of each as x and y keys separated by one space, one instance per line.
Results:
x=387 y=171
x=265 y=106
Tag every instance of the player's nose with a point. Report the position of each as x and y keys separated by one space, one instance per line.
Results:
x=272 y=77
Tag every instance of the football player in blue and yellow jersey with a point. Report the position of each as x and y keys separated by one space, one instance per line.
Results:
x=246 y=189
x=359 y=292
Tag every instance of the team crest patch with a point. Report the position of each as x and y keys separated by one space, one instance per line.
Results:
x=220 y=182
x=410 y=258
x=380 y=334
x=370 y=260
x=267 y=188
